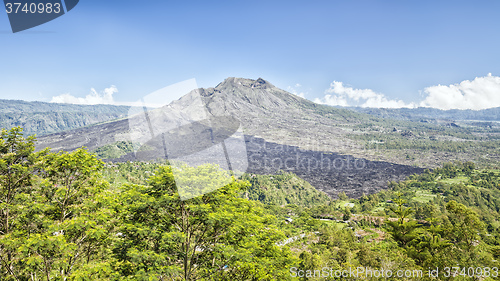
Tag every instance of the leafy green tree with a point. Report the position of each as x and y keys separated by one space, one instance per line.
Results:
x=367 y=257
x=429 y=210
x=347 y=214
x=468 y=168
x=17 y=164
x=53 y=219
x=429 y=248
x=217 y=236
x=342 y=196
x=309 y=262
x=465 y=225
x=77 y=209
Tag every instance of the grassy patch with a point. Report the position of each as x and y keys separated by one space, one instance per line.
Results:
x=456 y=180
x=379 y=208
x=343 y=204
x=337 y=225
x=423 y=196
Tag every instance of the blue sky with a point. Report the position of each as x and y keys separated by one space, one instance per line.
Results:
x=395 y=49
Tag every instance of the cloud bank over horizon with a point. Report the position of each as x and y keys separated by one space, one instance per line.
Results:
x=104 y=97
x=341 y=95
x=480 y=93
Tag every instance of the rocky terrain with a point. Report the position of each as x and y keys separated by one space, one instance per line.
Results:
x=327 y=171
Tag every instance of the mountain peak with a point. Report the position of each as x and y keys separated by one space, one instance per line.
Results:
x=244 y=82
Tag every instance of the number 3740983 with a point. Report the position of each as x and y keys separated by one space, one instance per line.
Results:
x=33 y=8
x=471 y=272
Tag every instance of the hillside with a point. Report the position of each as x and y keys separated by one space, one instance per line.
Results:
x=43 y=118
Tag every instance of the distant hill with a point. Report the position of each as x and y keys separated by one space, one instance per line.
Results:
x=42 y=118
x=424 y=113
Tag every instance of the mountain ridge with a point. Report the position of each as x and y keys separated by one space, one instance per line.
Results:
x=428 y=113
x=42 y=118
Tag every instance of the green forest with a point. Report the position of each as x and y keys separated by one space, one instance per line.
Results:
x=71 y=216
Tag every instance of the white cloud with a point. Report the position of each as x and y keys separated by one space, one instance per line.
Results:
x=105 y=97
x=338 y=94
x=296 y=91
x=480 y=93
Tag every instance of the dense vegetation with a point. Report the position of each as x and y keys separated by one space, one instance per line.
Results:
x=69 y=216
x=118 y=149
x=283 y=189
